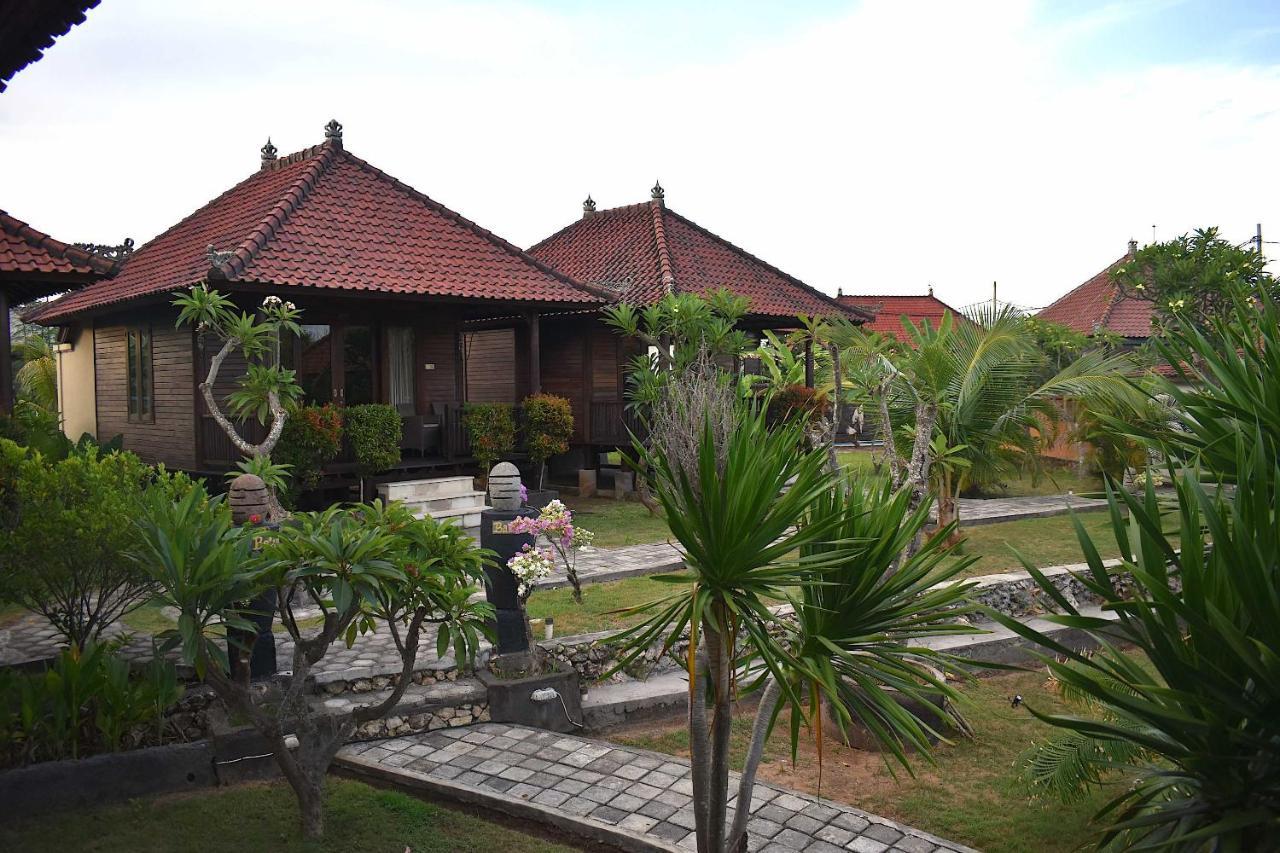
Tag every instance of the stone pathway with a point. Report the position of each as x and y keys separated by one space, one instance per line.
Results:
x=994 y=510
x=605 y=791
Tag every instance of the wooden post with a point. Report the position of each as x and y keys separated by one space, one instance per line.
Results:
x=535 y=354
x=6 y=357
x=808 y=364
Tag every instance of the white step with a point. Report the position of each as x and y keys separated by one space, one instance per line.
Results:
x=462 y=501
x=466 y=517
x=438 y=487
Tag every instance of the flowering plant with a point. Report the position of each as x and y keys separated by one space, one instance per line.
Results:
x=555 y=524
x=529 y=566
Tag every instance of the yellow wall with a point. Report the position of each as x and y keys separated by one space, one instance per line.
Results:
x=76 y=386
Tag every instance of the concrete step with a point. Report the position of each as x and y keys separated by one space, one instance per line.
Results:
x=436 y=487
x=466 y=516
x=465 y=500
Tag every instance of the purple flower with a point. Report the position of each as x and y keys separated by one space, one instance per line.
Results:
x=524 y=494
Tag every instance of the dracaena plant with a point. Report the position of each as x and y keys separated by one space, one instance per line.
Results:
x=1184 y=692
x=374 y=568
x=739 y=507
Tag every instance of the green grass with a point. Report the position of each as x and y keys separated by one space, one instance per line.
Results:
x=1045 y=541
x=617 y=523
x=973 y=795
x=265 y=817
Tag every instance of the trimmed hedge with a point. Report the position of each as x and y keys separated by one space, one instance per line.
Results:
x=492 y=430
x=373 y=431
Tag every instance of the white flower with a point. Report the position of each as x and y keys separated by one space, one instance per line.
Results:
x=290 y=306
x=271 y=302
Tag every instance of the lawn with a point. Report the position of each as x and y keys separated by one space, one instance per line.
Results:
x=265 y=817
x=1056 y=479
x=973 y=795
x=617 y=523
x=1045 y=541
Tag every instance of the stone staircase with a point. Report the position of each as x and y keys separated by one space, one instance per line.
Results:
x=443 y=498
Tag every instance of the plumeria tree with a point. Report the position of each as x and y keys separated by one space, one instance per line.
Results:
x=365 y=568
x=266 y=390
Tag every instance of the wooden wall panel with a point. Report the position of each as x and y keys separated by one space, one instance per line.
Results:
x=491 y=366
x=564 y=347
x=171 y=438
x=437 y=344
x=606 y=370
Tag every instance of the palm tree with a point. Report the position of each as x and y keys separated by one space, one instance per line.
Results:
x=37 y=379
x=739 y=506
x=968 y=392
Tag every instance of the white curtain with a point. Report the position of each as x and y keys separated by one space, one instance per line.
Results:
x=400 y=368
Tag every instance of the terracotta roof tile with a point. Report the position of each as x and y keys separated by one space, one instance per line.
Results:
x=323 y=218
x=33 y=264
x=1099 y=304
x=888 y=311
x=643 y=251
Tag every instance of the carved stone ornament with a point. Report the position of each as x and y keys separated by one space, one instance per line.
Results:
x=247 y=497
x=504 y=487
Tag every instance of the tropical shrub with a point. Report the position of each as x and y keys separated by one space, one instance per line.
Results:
x=311 y=438
x=806 y=405
x=69 y=527
x=373 y=431
x=739 y=507
x=492 y=431
x=1184 y=693
x=87 y=702
x=373 y=567
x=548 y=423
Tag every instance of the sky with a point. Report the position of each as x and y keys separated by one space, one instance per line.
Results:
x=877 y=147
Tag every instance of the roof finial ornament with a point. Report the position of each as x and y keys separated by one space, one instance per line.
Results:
x=931 y=288
x=216 y=258
x=333 y=132
x=657 y=192
x=588 y=206
x=268 y=154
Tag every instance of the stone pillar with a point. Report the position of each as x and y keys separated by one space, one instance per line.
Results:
x=500 y=586
x=250 y=506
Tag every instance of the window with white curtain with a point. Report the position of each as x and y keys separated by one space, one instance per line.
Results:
x=400 y=368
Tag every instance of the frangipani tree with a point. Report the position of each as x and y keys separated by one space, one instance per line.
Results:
x=266 y=390
x=364 y=568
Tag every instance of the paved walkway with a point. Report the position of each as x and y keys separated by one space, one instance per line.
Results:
x=995 y=510
x=605 y=791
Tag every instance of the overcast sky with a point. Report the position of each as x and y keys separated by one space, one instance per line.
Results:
x=876 y=147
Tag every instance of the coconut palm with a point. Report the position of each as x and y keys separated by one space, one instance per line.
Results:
x=974 y=384
x=37 y=379
x=739 y=508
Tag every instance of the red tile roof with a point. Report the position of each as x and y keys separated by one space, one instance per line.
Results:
x=1099 y=304
x=34 y=264
x=888 y=311
x=323 y=218
x=643 y=251
x=29 y=28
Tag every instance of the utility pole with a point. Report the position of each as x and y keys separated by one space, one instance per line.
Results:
x=994 y=309
x=1257 y=240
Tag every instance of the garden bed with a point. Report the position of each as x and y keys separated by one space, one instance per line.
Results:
x=973 y=795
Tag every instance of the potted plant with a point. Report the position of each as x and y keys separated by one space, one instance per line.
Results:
x=492 y=432
x=548 y=428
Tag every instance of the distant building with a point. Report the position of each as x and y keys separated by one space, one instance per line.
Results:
x=1099 y=305
x=888 y=311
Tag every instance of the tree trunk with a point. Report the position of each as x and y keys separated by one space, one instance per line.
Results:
x=836 y=419
x=310 y=794
x=948 y=511
x=720 y=665
x=755 y=752
x=699 y=748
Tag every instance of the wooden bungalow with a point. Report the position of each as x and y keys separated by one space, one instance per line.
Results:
x=394 y=289
x=638 y=254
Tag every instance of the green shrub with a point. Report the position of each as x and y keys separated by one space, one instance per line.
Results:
x=548 y=428
x=69 y=527
x=374 y=433
x=87 y=702
x=312 y=437
x=796 y=401
x=492 y=431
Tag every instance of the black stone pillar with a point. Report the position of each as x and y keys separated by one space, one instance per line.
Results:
x=500 y=586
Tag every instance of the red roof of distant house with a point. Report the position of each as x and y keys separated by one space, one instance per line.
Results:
x=643 y=251
x=34 y=264
x=323 y=218
x=1099 y=304
x=889 y=310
